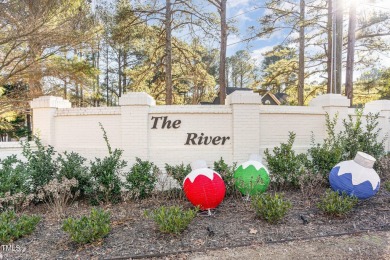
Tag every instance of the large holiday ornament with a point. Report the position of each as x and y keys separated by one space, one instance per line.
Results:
x=204 y=187
x=252 y=177
x=356 y=177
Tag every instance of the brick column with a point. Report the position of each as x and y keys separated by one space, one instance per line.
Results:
x=246 y=125
x=135 y=125
x=383 y=108
x=44 y=111
x=333 y=104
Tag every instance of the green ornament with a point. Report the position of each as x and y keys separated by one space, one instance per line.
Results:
x=251 y=177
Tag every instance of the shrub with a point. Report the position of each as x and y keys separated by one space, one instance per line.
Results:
x=387 y=186
x=71 y=165
x=356 y=138
x=284 y=164
x=13 y=176
x=227 y=174
x=311 y=184
x=335 y=204
x=57 y=195
x=178 y=172
x=326 y=155
x=383 y=168
x=16 y=201
x=88 y=228
x=41 y=164
x=106 y=183
x=271 y=208
x=141 y=179
x=13 y=227
x=172 y=219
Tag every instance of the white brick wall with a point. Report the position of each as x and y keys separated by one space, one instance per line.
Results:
x=251 y=127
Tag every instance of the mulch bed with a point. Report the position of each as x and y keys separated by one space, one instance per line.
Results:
x=232 y=224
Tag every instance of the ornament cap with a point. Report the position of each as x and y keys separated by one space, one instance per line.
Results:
x=198 y=164
x=255 y=157
x=364 y=160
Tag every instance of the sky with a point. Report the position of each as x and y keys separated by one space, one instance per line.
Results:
x=247 y=12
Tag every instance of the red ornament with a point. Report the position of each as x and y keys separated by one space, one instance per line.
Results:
x=204 y=187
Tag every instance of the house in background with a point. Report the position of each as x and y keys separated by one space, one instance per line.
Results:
x=268 y=98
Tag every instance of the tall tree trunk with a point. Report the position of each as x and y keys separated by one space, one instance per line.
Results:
x=222 y=57
x=339 y=44
x=107 y=74
x=123 y=70
x=77 y=95
x=351 y=52
x=301 y=74
x=120 y=72
x=65 y=88
x=94 y=80
x=81 y=96
x=168 y=54
x=97 y=97
x=329 y=88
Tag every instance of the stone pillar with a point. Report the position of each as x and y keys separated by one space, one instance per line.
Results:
x=246 y=125
x=333 y=104
x=44 y=111
x=135 y=125
x=383 y=108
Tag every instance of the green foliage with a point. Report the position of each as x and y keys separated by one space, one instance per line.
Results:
x=227 y=174
x=271 y=208
x=172 y=219
x=178 y=172
x=12 y=123
x=42 y=165
x=355 y=136
x=383 y=168
x=142 y=179
x=106 y=183
x=334 y=204
x=387 y=186
x=13 y=176
x=13 y=227
x=71 y=165
x=326 y=155
x=284 y=164
x=88 y=228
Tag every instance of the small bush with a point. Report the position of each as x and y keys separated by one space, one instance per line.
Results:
x=271 y=208
x=227 y=174
x=141 y=179
x=57 y=195
x=88 y=228
x=311 y=184
x=178 y=172
x=105 y=175
x=172 y=219
x=16 y=201
x=13 y=227
x=387 y=186
x=71 y=166
x=13 y=176
x=334 y=204
x=284 y=165
x=41 y=164
x=383 y=168
x=356 y=138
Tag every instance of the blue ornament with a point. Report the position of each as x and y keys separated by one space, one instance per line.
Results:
x=356 y=177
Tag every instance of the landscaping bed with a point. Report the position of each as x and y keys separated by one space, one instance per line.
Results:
x=232 y=224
